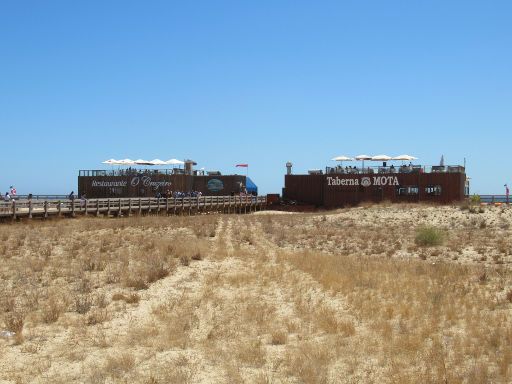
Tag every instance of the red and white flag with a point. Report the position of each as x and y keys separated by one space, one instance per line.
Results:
x=243 y=165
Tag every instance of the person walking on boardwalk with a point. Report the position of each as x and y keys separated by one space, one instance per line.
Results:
x=71 y=195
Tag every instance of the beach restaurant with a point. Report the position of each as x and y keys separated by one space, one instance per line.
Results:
x=395 y=179
x=142 y=178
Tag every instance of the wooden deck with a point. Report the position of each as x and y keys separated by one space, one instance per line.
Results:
x=17 y=209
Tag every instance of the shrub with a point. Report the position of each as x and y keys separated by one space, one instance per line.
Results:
x=14 y=321
x=83 y=304
x=279 y=338
x=429 y=237
x=51 y=311
x=185 y=260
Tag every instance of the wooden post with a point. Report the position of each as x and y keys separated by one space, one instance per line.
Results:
x=174 y=203
x=130 y=207
x=14 y=209
x=59 y=208
x=72 y=208
x=30 y=209
x=86 y=210
x=140 y=206
x=149 y=207
x=167 y=204
x=120 y=212
x=45 y=209
x=158 y=202
x=97 y=207
x=108 y=207
x=182 y=205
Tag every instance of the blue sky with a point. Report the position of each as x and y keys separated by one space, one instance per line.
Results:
x=225 y=82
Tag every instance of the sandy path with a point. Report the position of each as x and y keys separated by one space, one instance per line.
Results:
x=293 y=279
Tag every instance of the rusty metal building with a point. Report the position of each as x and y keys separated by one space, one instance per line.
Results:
x=339 y=187
x=150 y=183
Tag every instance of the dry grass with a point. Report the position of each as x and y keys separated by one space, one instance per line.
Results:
x=342 y=297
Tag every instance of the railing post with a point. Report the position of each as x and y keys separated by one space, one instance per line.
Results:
x=45 y=209
x=158 y=202
x=149 y=207
x=59 y=208
x=14 y=209
x=120 y=212
x=72 y=208
x=167 y=204
x=130 y=207
x=97 y=207
x=108 y=207
x=140 y=206
x=30 y=209
x=86 y=210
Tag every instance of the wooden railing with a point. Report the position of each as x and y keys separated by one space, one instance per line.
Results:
x=127 y=206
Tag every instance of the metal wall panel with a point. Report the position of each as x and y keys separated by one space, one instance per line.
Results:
x=149 y=184
x=315 y=189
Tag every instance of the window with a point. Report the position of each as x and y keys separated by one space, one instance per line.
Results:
x=433 y=190
x=407 y=190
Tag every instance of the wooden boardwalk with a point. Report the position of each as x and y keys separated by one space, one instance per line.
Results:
x=16 y=209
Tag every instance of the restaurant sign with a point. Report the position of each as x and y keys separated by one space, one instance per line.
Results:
x=134 y=182
x=147 y=182
x=364 y=181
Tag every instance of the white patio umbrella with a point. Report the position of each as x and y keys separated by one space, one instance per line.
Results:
x=382 y=158
x=110 y=162
x=174 y=162
x=363 y=158
x=142 y=162
x=126 y=162
x=404 y=158
x=157 y=162
x=341 y=159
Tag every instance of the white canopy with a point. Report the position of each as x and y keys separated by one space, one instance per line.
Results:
x=404 y=158
x=342 y=158
x=126 y=162
x=109 y=161
x=363 y=157
x=142 y=162
x=157 y=162
x=381 y=158
x=174 y=162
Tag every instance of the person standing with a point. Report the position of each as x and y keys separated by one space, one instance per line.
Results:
x=7 y=197
x=13 y=191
